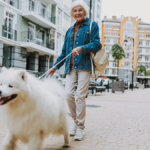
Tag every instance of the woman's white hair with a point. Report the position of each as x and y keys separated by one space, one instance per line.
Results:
x=81 y=3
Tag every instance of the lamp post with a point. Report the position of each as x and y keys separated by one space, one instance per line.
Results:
x=90 y=8
x=132 y=70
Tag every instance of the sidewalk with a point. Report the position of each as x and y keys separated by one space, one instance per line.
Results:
x=122 y=122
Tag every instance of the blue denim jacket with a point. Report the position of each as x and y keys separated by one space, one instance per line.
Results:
x=81 y=61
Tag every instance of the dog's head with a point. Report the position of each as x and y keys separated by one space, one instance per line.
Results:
x=13 y=85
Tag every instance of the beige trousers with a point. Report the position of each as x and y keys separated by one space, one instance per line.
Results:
x=77 y=108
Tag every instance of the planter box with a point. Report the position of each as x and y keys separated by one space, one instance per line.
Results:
x=117 y=86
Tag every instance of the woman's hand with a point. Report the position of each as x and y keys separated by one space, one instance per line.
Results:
x=76 y=51
x=51 y=71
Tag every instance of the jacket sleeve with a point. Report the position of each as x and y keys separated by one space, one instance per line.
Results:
x=95 y=44
x=62 y=55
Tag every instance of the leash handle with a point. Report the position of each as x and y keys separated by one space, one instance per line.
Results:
x=54 y=66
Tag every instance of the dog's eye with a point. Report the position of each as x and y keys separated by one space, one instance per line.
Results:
x=10 y=86
x=0 y=84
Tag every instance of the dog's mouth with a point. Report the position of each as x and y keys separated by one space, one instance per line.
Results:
x=4 y=100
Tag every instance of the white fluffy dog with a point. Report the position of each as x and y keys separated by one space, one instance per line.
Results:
x=32 y=109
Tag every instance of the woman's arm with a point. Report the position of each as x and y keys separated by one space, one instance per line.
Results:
x=62 y=55
x=95 y=44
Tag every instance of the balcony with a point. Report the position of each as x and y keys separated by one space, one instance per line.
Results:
x=14 y=3
x=37 y=13
x=9 y=33
x=37 y=42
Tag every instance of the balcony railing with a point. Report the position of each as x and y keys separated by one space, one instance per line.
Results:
x=14 y=3
x=9 y=33
x=37 y=9
x=38 y=38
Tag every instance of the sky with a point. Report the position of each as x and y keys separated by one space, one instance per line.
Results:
x=140 y=8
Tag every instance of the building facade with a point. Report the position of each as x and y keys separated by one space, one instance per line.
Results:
x=32 y=32
x=134 y=36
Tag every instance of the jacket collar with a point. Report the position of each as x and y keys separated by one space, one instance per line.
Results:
x=86 y=22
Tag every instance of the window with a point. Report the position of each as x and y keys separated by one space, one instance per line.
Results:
x=115 y=41
x=66 y=17
x=58 y=44
x=140 y=42
x=108 y=56
x=128 y=45
x=148 y=29
x=124 y=26
x=108 y=64
x=115 y=33
x=108 y=48
x=129 y=33
x=140 y=35
x=140 y=50
x=114 y=72
x=115 y=26
x=59 y=19
x=7 y=56
x=147 y=66
x=147 y=43
x=8 y=29
x=52 y=38
x=43 y=36
x=146 y=58
x=139 y=64
x=60 y=2
x=127 y=64
x=31 y=32
x=114 y=64
x=140 y=28
x=13 y=3
x=108 y=32
x=140 y=58
x=134 y=26
x=147 y=51
x=129 y=25
x=108 y=25
x=106 y=71
x=107 y=40
x=128 y=56
x=147 y=35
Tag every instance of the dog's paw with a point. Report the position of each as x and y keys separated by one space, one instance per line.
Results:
x=66 y=145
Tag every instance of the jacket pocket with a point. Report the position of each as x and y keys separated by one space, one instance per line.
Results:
x=86 y=37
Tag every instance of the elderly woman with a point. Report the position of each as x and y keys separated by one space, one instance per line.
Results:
x=78 y=64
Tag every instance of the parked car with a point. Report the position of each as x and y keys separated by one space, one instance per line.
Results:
x=99 y=81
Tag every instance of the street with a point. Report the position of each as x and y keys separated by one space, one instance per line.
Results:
x=113 y=122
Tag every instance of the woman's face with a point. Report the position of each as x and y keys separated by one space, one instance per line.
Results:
x=78 y=13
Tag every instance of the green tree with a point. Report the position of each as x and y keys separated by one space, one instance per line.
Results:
x=147 y=73
x=142 y=69
x=117 y=53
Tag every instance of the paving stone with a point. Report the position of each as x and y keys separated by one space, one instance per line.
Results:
x=120 y=123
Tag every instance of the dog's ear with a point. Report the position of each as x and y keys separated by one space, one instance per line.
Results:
x=23 y=75
x=3 y=69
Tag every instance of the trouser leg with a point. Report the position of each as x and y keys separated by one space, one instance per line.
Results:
x=82 y=89
x=71 y=81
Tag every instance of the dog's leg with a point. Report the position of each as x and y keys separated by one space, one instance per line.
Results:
x=9 y=142
x=35 y=143
x=66 y=140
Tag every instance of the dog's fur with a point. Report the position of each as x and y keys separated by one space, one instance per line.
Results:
x=38 y=110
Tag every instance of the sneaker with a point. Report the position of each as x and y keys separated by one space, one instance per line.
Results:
x=73 y=129
x=79 y=134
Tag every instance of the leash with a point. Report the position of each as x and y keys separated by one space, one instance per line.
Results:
x=46 y=73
